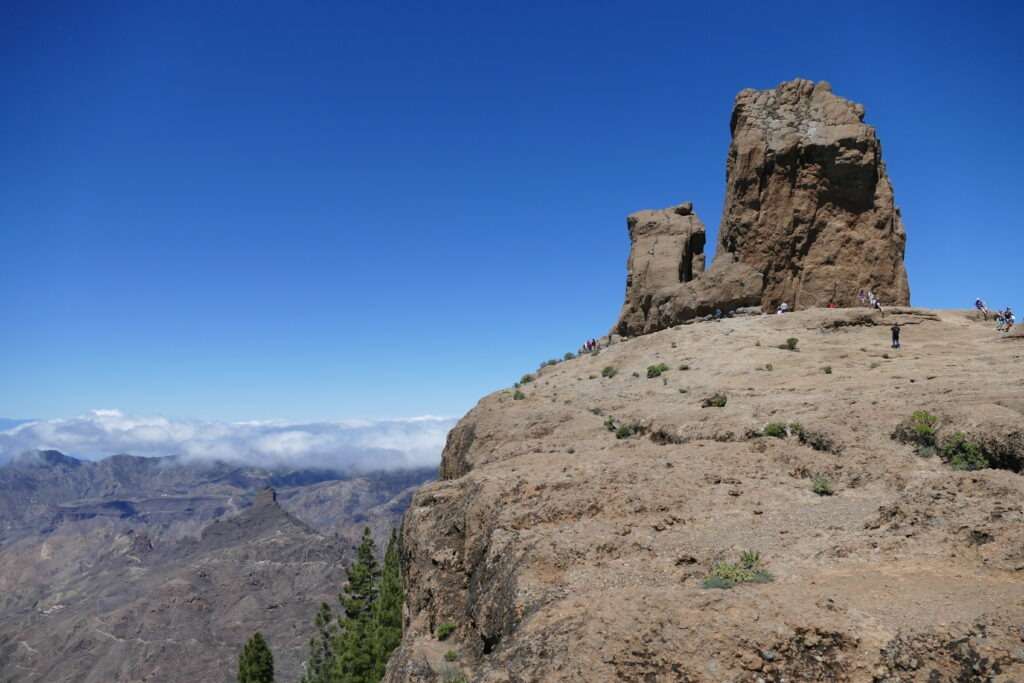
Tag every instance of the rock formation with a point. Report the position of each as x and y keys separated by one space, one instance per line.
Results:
x=809 y=218
x=666 y=282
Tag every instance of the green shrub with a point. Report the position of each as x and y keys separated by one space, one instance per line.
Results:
x=715 y=401
x=526 y=379
x=816 y=440
x=821 y=485
x=962 y=453
x=827 y=369
x=749 y=569
x=445 y=630
x=790 y=344
x=775 y=429
x=769 y=367
x=624 y=432
x=636 y=374
x=656 y=370
x=518 y=396
x=919 y=430
x=609 y=424
x=451 y=656
x=609 y=372
x=569 y=355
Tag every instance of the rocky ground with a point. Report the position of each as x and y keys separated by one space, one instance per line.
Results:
x=561 y=552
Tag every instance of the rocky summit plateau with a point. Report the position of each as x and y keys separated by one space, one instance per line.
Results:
x=592 y=529
x=809 y=219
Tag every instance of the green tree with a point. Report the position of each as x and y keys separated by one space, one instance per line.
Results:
x=354 y=651
x=387 y=612
x=256 y=663
x=320 y=653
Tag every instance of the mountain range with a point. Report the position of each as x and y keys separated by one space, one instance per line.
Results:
x=157 y=569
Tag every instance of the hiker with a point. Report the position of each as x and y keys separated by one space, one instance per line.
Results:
x=783 y=307
x=1010 y=319
x=718 y=314
x=895 y=335
x=980 y=305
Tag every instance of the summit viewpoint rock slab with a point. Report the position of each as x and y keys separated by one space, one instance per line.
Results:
x=809 y=218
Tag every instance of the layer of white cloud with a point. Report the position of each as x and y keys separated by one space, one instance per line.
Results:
x=352 y=444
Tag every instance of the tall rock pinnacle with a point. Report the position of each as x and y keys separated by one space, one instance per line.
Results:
x=809 y=216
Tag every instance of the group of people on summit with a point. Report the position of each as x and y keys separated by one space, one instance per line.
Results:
x=1005 y=319
x=867 y=297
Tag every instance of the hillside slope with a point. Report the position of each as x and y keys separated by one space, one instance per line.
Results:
x=563 y=553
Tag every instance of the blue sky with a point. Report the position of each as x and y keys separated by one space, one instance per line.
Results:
x=320 y=210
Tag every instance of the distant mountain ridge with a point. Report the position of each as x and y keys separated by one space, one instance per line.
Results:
x=139 y=568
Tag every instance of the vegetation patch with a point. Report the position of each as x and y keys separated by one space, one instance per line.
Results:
x=790 y=344
x=445 y=630
x=963 y=454
x=827 y=369
x=960 y=450
x=656 y=370
x=609 y=372
x=819 y=441
x=920 y=430
x=749 y=569
x=526 y=379
x=821 y=485
x=518 y=396
x=624 y=432
x=715 y=401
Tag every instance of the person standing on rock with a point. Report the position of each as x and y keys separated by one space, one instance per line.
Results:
x=895 y=335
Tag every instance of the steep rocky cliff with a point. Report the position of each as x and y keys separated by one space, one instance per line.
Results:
x=809 y=217
x=575 y=528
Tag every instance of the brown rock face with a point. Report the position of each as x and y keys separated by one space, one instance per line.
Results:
x=666 y=282
x=809 y=218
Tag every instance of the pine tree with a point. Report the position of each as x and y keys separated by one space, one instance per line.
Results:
x=256 y=663
x=387 y=612
x=354 y=650
x=320 y=647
